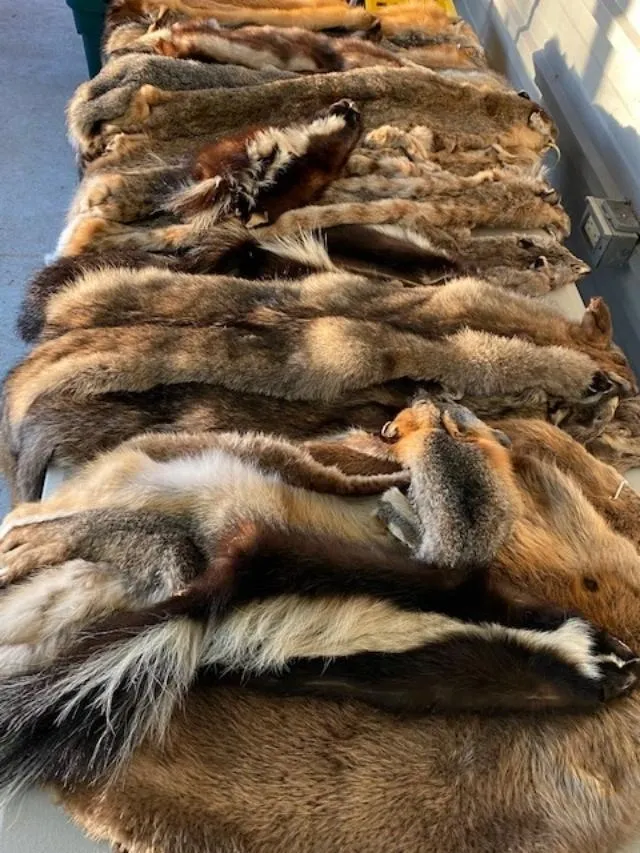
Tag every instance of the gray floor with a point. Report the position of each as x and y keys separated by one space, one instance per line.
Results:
x=41 y=63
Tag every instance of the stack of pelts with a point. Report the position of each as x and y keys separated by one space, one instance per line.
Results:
x=295 y=217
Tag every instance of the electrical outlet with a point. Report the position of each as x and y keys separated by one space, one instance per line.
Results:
x=612 y=231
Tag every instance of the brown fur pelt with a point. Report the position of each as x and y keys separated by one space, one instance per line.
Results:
x=261 y=779
x=128 y=340
x=316 y=15
x=618 y=443
x=290 y=49
x=463 y=116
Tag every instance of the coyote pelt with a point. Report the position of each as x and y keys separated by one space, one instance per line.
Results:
x=157 y=348
x=400 y=96
x=564 y=551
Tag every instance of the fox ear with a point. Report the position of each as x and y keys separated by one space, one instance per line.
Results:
x=596 y=322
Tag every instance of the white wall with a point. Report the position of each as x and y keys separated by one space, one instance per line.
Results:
x=582 y=58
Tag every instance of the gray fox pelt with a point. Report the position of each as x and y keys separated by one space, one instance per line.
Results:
x=434 y=632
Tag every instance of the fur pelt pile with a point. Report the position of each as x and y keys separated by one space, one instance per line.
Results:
x=294 y=220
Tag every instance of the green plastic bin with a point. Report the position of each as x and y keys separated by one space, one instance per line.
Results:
x=89 y=18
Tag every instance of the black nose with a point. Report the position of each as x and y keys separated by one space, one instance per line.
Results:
x=600 y=383
x=389 y=432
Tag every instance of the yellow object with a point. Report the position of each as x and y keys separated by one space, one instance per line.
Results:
x=374 y=5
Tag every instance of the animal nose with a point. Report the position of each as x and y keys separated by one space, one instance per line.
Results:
x=389 y=431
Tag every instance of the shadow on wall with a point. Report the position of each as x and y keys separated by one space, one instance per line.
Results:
x=600 y=156
x=591 y=140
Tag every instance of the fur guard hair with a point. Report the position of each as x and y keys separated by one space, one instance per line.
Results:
x=124 y=337
x=289 y=49
x=320 y=15
x=618 y=443
x=120 y=679
x=264 y=172
x=90 y=302
x=386 y=96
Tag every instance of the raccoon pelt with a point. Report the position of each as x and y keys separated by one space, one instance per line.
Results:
x=425 y=624
x=262 y=173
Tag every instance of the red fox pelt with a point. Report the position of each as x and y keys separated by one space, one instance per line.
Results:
x=261 y=173
x=316 y=15
x=432 y=634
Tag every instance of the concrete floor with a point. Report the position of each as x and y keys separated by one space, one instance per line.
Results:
x=41 y=63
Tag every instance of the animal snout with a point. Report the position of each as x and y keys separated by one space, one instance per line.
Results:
x=389 y=432
x=347 y=109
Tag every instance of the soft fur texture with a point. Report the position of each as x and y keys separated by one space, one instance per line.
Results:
x=462 y=505
x=388 y=95
x=124 y=338
x=265 y=172
x=538 y=759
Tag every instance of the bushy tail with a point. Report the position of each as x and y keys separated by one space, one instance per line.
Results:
x=81 y=717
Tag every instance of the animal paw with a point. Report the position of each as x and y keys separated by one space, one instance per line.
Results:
x=31 y=547
x=398 y=516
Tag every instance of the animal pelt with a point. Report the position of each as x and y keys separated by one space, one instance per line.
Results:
x=289 y=49
x=618 y=443
x=318 y=338
x=463 y=501
x=147 y=327
x=321 y=15
x=463 y=116
x=109 y=93
x=261 y=173
x=154 y=804
x=67 y=432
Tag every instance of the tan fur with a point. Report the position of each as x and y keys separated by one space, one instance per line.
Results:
x=515 y=778
x=320 y=16
x=445 y=335
x=386 y=95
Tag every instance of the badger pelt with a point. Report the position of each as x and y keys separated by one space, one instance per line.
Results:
x=263 y=172
x=432 y=633
x=289 y=49
x=402 y=96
